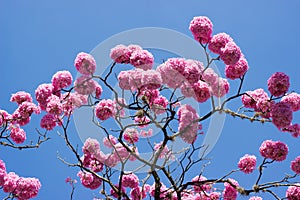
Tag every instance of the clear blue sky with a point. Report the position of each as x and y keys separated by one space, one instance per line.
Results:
x=39 y=38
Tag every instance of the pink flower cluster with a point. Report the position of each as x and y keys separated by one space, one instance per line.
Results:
x=282 y=115
x=21 y=97
x=105 y=109
x=247 y=163
x=295 y=165
x=201 y=28
x=130 y=180
x=202 y=186
x=237 y=70
x=274 y=150
x=188 y=129
x=85 y=63
x=131 y=135
x=165 y=152
x=294 y=129
x=85 y=85
x=278 y=84
x=134 y=55
x=20 y=187
x=62 y=79
x=230 y=192
x=293 y=192
x=89 y=180
x=293 y=99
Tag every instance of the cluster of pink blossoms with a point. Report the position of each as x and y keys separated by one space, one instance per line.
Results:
x=230 y=192
x=188 y=128
x=295 y=165
x=247 y=163
x=293 y=192
x=134 y=55
x=274 y=150
x=22 y=188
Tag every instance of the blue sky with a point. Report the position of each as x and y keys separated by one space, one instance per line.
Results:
x=39 y=38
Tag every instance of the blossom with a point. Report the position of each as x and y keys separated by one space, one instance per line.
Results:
x=62 y=79
x=220 y=87
x=26 y=109
x=247 y=163
x=91 y=146
x=131 y=135
x=54 y=105
x=219 y=41
x=201 y=28
x=130 y=180
x=21 y=97
x=85 y=85
x=293 y=192
x=27 y=188
x=282 y=114
x=165 y=152
x=202 y=91
x=2 y=176
x=138 y=193
x=10 y=182
x=237 y=70
x=209 y=76
x=295 y=165
x=188 y=129
x=278 y=84
x=230 y=54
x=192 y=70
x=230 y=192
x=151 y=79
x=114 y=193
x=142 y=121
x=18 y=135
x=160 y=104
x=109 y=141
x=98 y=91
x=4 y=116
x=163 y=191
x=105 y=109
x=85 y=63
x=294 y=129
x=148 y=95
x=201 y=186
x=250 y=99
x=89 y=180
x=293 y=99
x=124 y=80
x=142 y=59
x=135 y=79
x=48 y=122
x=2 y=165
x=42 y=93
x=274 y=150
x=120 y=54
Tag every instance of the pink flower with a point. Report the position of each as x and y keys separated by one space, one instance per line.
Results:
x=282 y=115
x=293 y=192
x=148 y=95
x=201 y=186
x=130 y=180
x=105 y=109
x=247 y=163
x=109 y=141
x=121 y=152
x=2 y=176
x=21 y=97
x=255 y=198
x=42 y=93
x=138 y=193
x=293 y=129
x=237 y=70
x=26 y=109
x=120 y=54
x=201 y=28
x=202 y=91
x=48 y=122
x=295 y=165
x=27 y=188
x=124 y=80
x=188 y=130
x=192 y=70
x=85 y=85
x=293 y=99
x=230 y=192
x=10 y=182
x=253 y=97
x=142 y=59
x=70 y=101
x=278 y=84
x=135 y=80
x=2 y=165
x=131 y=135
x=187 y=90
x=89 y=180
x=163 y=190
x=18 y=135
x=218 y=42
x=230 y=54
x=142 y=121
x=214 y=196
x=274 y=150
x=98 y=91
x=62 y=79
x=146 y=133
x=160 y=104
x=54 y=105
x=220 y=87
x=4 y=116
x=115 y=194
x=85 y=63
x=210 y=76
x=91 y=146
x=151 y=79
